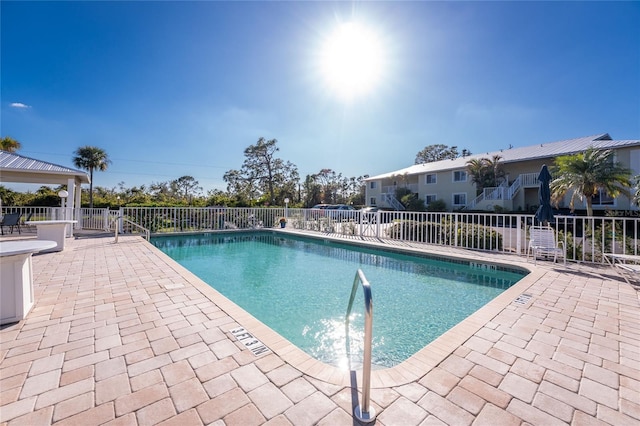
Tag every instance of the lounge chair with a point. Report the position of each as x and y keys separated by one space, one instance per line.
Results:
x=543 y=242
x=11 y=220
x=626 y=265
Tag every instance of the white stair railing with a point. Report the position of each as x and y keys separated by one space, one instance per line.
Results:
x=514 y=188
x=475 y=202
x=392 y=201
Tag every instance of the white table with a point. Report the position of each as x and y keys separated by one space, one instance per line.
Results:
x=53 y=230
x=16 y=277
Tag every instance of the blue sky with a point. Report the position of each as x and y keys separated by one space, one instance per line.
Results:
x=182 y=88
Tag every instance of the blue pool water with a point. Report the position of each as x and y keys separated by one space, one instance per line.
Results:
x=300 y=288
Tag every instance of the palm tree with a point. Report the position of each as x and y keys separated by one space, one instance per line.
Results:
x=485 y=172
x=91 y=158
x=587 y=173
x=9 y=144
x=494 y=170
x=476 y=170
x=636 y=191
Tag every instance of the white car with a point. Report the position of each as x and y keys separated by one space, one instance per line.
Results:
x=368 y=214
x=341 y=212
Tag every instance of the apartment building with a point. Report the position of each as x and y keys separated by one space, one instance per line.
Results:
x=448 y=180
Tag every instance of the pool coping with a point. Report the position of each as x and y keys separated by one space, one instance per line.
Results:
x=407 y=371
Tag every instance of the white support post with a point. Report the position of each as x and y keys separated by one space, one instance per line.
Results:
x=77 y=194
x=105 y=219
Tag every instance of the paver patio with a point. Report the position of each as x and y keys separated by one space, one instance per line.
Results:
x=122 y=335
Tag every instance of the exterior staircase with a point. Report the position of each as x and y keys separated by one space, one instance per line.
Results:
x=504 y=192
x=391 y=200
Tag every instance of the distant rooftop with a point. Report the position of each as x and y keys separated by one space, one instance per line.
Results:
x=532 y=152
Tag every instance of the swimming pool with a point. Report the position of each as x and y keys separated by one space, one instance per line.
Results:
x=300 y=287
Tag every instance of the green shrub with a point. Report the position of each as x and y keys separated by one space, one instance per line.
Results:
x=412 y=203
x=149 y=220
x=445 y=232
x=478 y=237
x=570 y=246
x=602 y=238
x=437 y=206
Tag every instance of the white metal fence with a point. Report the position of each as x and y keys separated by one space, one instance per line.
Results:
x=97 y=219
x=585 y=238
x=197 y=219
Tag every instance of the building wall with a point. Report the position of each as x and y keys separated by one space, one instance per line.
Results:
x=629 y=157
x=373 y=193
x=445 y=187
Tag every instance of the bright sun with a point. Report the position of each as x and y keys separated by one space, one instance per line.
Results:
x=352 y=60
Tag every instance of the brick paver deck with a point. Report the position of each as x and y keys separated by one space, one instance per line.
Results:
x=122 y=335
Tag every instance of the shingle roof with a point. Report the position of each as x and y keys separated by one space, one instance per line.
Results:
x=543 y=150
x=11 y=162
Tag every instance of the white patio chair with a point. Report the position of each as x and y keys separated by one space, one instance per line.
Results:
x=626 y=265
x=543 y=242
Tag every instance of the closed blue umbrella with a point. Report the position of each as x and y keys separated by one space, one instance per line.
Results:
x=544 y=212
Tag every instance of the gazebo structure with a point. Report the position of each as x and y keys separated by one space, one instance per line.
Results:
x=16 y=168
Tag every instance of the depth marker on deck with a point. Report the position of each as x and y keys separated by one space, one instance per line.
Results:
x=249 y=341
x=523 y=299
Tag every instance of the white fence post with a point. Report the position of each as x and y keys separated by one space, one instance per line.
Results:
x=519 y=232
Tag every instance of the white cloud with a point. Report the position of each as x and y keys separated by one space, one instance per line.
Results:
x=19 y=105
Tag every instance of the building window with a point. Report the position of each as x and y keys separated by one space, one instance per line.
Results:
x=372 y=201
x=459 y=176
x=431 y=179
x=430 y=198
x=460 y=199
x=373 y=185
x=602 y=199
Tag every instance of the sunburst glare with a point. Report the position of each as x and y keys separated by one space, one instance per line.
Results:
x=352 y=60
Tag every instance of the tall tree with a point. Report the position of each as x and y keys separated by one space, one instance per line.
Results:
x=329 y=182
x=9 y=144
x=186 y=187
x=91 y=158
x=260 y=162
x=241 y=186
x=312 y=191
x=359 y=191
x=587 y=173
x=287 y=183
x=263 y=171
x=438 y=152
x=160 y=191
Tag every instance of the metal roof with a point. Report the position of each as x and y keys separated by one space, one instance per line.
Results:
x=512 y=155
x=18 y=168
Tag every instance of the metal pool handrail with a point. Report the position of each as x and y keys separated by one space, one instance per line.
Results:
x=363 y=412
x=114 y=223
